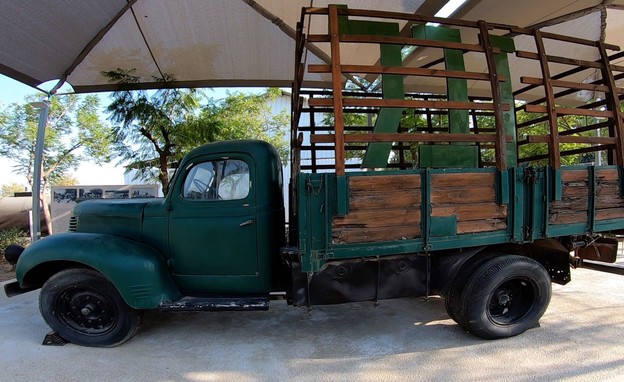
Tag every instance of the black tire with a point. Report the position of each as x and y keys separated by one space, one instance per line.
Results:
x=452 y=301
x=505 y=297
x=84 y=308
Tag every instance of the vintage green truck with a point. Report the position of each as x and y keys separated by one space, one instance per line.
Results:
x=431 y=195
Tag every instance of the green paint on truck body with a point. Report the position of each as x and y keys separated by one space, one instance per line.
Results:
x=157 y=250
x=388 y=119
x=528 y=192
x=137 y=270
x=457 y=154
x=507 y=46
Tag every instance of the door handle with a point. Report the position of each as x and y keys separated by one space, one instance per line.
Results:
x=248 y=222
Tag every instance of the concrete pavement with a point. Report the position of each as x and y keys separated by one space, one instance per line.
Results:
x=581 y=338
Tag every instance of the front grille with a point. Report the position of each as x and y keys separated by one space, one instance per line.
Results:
x=73 y=224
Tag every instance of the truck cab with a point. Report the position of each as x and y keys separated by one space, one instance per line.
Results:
x=212 y=243
x=225 y=219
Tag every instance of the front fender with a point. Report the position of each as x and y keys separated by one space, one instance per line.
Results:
x=138 y=271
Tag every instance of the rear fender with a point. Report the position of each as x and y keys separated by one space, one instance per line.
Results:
x=138 y=271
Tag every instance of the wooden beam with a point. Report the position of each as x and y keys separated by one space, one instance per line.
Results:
x=613 y=105
x=400 y=103
x=555 y=111
x=406 y=16
x=500 y=151
x=568 y=84
x=337 y=91
x=554 y=159
x=572 y=139
x=405 y=71
x=576 y=40
x=585 y=128
x=371 y=39
x=569 y=152
x=398 y=137
x=560 y=60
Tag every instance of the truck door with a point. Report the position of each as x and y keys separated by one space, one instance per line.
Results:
x=212 y=226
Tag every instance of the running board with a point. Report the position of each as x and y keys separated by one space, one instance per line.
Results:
x=212 y=304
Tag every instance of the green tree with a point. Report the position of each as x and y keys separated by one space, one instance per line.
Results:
x=12 y=236
x=410 y=122
x=10 y=189
x=74 y=133
x=65 y=180
x=564 y=123
x=240 y=116
x=351 y=122
x=148 y=125
x=154 y=130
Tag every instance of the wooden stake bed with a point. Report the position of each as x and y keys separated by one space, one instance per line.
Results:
x=377 y=171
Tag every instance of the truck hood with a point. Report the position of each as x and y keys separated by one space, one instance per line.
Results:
x=122 y=218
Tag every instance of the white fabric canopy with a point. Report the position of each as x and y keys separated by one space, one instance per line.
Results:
x=211 y=43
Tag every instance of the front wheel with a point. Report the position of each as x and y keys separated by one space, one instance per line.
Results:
x=505 y=297
x=84 y=308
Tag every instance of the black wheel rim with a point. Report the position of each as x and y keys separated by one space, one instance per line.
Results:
x=86 y=310
x=511 y=301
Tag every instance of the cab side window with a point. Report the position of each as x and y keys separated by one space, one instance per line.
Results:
x=222 y=179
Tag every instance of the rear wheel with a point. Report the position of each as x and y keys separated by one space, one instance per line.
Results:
x=84 y=308
x=505 y=296
x=452 y=302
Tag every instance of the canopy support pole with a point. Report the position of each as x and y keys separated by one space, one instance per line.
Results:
x=44 y=106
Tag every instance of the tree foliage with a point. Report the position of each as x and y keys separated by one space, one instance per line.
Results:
x=154 y=130
x=65 y=180
x=564 y=123
x=12 y=236
x=10 y=189
x=241 y=116
x=74 y=133
x=409 y=122
x=147 y=125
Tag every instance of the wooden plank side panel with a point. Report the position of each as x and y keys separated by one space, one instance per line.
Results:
x=460 y=180
x=386 y=183
x=610 y=213
x=573 y=206
x=609 y=201
x=358 y=235
x=574 y=176
x=442 y=196
x=471 y=198
x=607 y=189
x=378 y=218
x=567 y=216
x=609 y=205
x=607 y=174
x=485 y=225
x=576 y=192
x=361 y=201
x=466 y=212
x=381 y=208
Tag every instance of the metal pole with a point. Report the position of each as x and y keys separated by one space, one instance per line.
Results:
x=598 y=153
x=35 y=233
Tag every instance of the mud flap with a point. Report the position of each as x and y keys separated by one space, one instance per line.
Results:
x=603 y=250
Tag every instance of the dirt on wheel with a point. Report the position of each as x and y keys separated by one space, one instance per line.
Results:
x=7 y=271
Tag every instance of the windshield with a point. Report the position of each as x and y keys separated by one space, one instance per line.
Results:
x=223 y=179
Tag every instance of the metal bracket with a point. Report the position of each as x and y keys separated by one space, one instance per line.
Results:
x=315 y=185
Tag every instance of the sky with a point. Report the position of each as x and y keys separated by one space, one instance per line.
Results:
x=12 y=91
